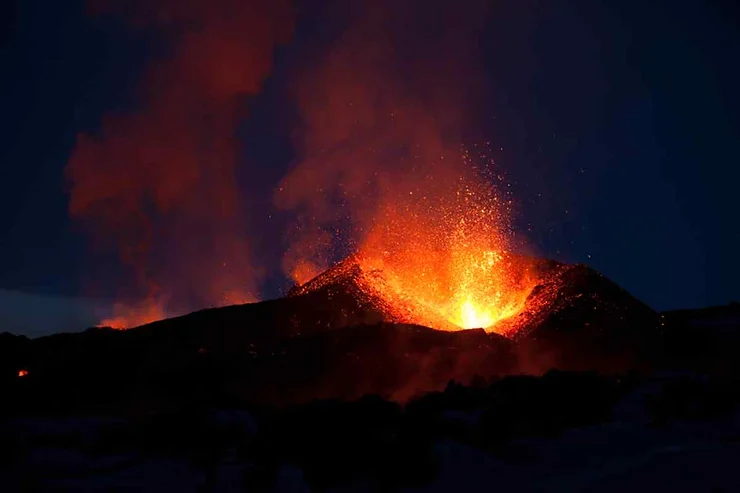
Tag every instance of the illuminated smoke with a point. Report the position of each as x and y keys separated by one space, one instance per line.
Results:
x=383 y=114
x=383 y=167
x=158 y=183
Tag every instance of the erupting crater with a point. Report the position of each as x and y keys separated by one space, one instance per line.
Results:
x=443 y=261
x=464 y=289
x=458 y=289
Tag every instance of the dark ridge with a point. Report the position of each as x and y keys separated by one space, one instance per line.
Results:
x=331 y=342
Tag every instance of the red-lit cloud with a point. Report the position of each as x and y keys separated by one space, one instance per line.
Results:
x=158 y=183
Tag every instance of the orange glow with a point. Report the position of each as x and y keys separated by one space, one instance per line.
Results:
x=438 y=298
x=158 y=185
x=127 y=316
x=448 y=265
x=22 y=373
x=472 y=315
x=236 y=297
x=303 y=271
x=452 y=271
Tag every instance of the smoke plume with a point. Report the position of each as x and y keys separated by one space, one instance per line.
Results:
x=158 y=184
x=382 y=119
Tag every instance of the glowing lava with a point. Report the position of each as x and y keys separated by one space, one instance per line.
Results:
x=449 y=291
x=441 y=257
x=472 y=316
x=445 y=261
x=22 y=373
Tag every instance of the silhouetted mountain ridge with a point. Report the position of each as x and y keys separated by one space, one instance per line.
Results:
x=330 y=341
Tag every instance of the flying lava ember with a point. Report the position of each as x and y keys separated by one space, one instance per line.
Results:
x=448 y=257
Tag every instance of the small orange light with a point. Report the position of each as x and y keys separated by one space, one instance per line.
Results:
x=22 y=373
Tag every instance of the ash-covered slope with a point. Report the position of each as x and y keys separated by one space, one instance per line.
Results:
x=328 y=338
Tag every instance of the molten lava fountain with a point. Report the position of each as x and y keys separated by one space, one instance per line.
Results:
x=446 y=261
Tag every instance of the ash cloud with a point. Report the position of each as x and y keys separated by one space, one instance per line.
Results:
x=157 y=184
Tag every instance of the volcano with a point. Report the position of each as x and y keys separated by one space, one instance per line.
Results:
x=573 y=318
x=333 y=337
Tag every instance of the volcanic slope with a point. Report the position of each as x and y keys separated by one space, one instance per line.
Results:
x=574 y=318
x=363 y=281
x=328 y=338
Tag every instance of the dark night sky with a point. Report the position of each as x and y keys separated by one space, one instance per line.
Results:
x=619 y=123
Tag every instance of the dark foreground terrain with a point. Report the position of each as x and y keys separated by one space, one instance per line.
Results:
x=317 y=392
x=557 y=432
